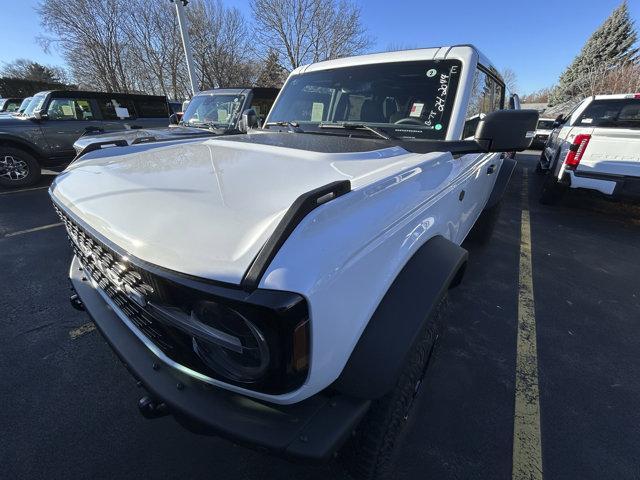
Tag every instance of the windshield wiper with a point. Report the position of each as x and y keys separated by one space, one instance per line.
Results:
x=356 y=126
x=292 y=126
x=209 y=125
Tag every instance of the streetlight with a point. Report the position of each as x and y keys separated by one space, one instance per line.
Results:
x=186 y=42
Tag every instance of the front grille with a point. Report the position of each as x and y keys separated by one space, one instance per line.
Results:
x=127 y=286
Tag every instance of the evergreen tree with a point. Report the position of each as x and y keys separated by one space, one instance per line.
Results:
x=611 y=46
x=273 y=74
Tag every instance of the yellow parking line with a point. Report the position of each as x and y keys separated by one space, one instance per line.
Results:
x=527 y=447
x=30 y=230
x=23 y=190
x=81 y=330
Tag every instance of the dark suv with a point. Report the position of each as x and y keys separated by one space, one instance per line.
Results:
x=44 y=134
x=210 y=113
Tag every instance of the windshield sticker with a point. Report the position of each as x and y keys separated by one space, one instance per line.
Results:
x=432 y=72
x=222 y=115
x=67 y=111
x=122 y=112
x=587 y=120
x=317 y=110
x=434 y=118
x=416 y=110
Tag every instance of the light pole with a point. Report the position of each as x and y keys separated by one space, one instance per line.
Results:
x=186 y=42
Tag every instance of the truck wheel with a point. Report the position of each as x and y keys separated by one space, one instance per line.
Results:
x=371 y=453
x=552 y=191
x=17 y=168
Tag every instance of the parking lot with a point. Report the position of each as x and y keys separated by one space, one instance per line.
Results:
x=68 y=406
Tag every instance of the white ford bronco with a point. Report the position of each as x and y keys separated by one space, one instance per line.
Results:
x=597 y=147
x=281 y=288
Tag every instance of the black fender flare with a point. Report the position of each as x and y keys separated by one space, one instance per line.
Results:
x=377 y=360
x=12 y=140
x=504 y=175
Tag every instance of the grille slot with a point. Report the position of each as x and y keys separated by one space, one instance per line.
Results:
x=120 y=281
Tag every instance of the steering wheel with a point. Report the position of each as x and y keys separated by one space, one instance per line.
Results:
x=409 y=120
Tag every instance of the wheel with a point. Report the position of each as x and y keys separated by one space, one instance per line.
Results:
x=371 y=453
x=17 y=168
x=483 y=229
x=552 y=191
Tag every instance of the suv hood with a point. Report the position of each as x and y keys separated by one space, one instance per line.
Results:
x=163 y=133
x=206 y=207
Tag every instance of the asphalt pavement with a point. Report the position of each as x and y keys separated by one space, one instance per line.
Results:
x=68 y=406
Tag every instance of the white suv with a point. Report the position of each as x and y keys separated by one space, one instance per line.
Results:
x=597 y=147
x=282 y=287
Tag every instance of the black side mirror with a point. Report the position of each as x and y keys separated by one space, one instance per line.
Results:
x=249 y=120
x=507 y=130
x=514 y=102
x=558 y=121
x=40 y=115
x=173 y=119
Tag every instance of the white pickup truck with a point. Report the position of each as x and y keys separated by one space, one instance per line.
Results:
x=283 y=287
x=597 y=148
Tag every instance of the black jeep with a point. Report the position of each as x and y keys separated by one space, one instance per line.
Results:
x=44 y=134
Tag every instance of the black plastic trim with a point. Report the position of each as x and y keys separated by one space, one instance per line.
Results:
x=98 y=146
x=377 y=360
x=504 y=175
x=312 y=429
x=300 y=208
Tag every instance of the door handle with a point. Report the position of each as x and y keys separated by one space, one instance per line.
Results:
x=491 y=169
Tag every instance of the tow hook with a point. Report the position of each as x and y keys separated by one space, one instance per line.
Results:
x=151 y=408
x=76 y=303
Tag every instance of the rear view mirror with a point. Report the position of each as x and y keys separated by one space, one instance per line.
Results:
x=507 y=130
x=558 y=121
x=514 y=102
x=249 y=120
x=40 y=115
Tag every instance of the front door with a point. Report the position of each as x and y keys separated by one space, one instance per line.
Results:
x=67 y=120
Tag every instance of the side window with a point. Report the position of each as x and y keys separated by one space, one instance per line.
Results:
x=152 y=108
x=70 y=109
x=13 y=105
x=115 y=108
x=486 y=96
x=262 y=107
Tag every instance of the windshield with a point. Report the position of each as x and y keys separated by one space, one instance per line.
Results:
x=24 y=104
x=614 y=113
x=220 y=111
x=35 y=104
x=405 y=100
x=545 y=125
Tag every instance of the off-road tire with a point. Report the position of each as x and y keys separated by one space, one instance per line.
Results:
x=27 y=163
x=372 y=451
x=552 y=191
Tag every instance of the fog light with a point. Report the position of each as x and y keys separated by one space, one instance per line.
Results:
x=246 y=364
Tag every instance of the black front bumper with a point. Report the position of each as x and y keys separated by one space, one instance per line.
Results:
x=312 y=429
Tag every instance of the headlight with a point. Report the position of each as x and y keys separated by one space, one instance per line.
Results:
x=246 y=360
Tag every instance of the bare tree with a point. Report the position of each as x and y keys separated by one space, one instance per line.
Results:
x=510 y=79
x=304 y=31
x=539 y=96
x=91 y=39
x=221 y=44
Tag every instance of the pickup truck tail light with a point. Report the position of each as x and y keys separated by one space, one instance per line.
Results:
x=576 y=151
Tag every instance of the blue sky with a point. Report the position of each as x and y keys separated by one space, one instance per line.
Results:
x=537 y=39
